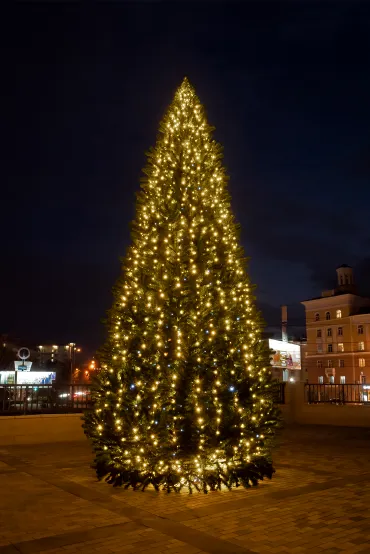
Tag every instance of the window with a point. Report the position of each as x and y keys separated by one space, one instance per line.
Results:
x=340 y=347
x=342 y=379
x=360 y=329
x=319 y=364
x=328 y=331
x=318 y=333
x=363 y=379
x=341 y=363
x=327 y=315
x=340 y=331
x=330 y=348
x=330 y=363
x=339 y=313
x=331 y=379
x=361 y=345
x=317 y=317
x=321 y=379
x=319 y=348
x=341 y=280
x=361 y=362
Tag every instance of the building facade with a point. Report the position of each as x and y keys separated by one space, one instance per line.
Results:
x=47 y=359
x=338 y=334
x=55 y=353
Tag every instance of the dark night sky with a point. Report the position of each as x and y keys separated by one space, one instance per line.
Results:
x=287 y=87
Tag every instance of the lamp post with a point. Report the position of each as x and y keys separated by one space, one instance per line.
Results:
x=72 y=351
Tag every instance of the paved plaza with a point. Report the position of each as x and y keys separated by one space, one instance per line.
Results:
x=318 y=501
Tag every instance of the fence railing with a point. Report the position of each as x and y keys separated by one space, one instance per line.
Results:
x=337 y=394
x=278 y=393
x=36 y=399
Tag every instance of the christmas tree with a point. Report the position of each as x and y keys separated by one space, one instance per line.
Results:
x=184 y=394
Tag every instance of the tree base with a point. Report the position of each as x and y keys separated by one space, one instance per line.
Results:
x=218 y=477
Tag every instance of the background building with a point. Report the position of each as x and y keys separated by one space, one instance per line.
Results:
x=338 y=333
x=47 y=358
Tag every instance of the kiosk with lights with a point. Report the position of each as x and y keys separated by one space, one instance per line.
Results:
x=23 y=375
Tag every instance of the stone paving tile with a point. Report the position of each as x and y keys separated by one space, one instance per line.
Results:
x=322 y=520
x=31 y=508
x=147 y=542
x=317 y=502
x=164 y=504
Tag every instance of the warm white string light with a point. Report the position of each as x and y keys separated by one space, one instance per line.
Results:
x=184 y=330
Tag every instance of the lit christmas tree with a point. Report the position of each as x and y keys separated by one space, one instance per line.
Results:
x=184 y=396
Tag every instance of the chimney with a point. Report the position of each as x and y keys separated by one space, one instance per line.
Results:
x=284 y=323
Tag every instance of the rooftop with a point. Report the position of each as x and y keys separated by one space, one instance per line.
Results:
x=336 y=292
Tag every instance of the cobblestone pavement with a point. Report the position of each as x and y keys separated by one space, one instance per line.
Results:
x=318 y=501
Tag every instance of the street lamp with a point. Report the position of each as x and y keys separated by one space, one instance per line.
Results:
x=72 y=350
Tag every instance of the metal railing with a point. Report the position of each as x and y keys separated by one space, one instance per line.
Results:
x=337 y=394
x=278 y=393
x=53 y=399
x=37 y=399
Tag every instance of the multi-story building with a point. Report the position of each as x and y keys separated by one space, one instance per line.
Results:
x=47 y=359
x=338 y=334
x=53 y=353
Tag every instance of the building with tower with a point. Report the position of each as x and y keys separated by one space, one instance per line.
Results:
x=338 y=333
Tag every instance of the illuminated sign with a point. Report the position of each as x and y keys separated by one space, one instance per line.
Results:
x=286 y=354
x=22 y=366
x=27 y=377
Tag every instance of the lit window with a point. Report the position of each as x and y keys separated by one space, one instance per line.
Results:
x=327 y=315
x=361 y=345
x=331 y=379
x=360 y=329
x=318 y=333
x=339 y=313
x=328 y=331
x=341 y=363
x=361 y=362
x=330 y=363
x=340 y=331
x=340 y=347
x=319 y=364
x=321 y=379
x=317 y=317
x=342 y=379
x=330 y=348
